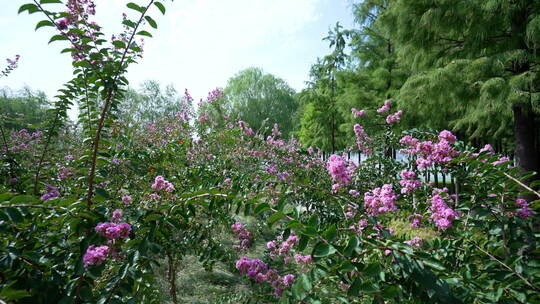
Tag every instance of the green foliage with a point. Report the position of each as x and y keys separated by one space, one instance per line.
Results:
x=261 y=100
x=23 y=109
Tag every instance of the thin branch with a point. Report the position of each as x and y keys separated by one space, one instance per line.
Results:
x=106 y=109
x=521 y=184
x=506 y=266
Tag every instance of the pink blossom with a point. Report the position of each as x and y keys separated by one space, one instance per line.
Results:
x=126 y=199
x=362 y=139
x=394 y=118
x=441 y=214
x=117 y=215
x=385 y=107
x=380 y=200
x=447 y=136
x=95 y=255
x=416 y=242
x=357 y=113
x=337 y=167
x=524 y=211
x=161 y=184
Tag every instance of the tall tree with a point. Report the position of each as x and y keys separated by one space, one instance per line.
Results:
x=322 y=117
x=261 y=100
x=375 y=74
x=150 y=103
x=479 y=58
x=22 y=109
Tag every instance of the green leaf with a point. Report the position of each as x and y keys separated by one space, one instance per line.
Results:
x=119 y=44
x=14 y=215
x=103 y=193
x=23 y=199
x=129 y=23
x=434 y=264
x=261 y=208
x=323 y=249
x=390 y=292
x=293 y=224
x=160 y=6
x=352 y=245
x=43 y=23
x=49 y=1
x=144 y=33
x=5 y=196
x=57 y=37
x=151 y=21
x=136 y=7
x=275 y=217
x=153 y=217
x=354 y=289
x=331 y=233
x=31 y=8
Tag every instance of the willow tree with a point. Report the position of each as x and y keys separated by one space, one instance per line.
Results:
x=475 y=62
x=261 y=99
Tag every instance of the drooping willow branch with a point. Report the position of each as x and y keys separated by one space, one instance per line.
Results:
x=105 y=110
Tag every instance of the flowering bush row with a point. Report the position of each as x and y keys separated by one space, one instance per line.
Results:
x=89 y=220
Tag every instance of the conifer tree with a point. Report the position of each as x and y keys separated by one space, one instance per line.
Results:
x=475 y=63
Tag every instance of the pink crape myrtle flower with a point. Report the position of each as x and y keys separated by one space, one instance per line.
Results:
x=95 y=255
x=380 y=200
x=385 y=108
x=161 y=184
x=356 y=113
x=441 y=214
x=337 y=168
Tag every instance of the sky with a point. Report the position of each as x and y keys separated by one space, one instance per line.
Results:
x=199 y=44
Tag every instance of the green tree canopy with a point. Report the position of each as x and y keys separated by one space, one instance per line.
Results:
x=22 y=109
x=261 y=100
x=475 y=62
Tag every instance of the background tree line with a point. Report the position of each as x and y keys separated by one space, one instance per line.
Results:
x=470 y=66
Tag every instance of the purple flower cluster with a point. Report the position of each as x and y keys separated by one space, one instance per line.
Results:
x=77 y=10
x=408 y=182
x=52 y=192
x=95 y=255
x=380 y=200
x=244 y=127
x=283 y=248
x=523 y=211
x=337 y=167
x=113 y=231
x=259 y=271
x=161 y=184
x=362 y=139
x=126 y=199
x=441 y=214
x=23 y=140
x=416 y=218
x=394 y=118
x=63 y=172
x=244 y=236
x=356 y=113
x=214 y=95
x=416 y=242
x=385 y=108
x=429 y=152
x=13 y=63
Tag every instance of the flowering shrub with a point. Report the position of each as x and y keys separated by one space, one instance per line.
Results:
x=87 y=218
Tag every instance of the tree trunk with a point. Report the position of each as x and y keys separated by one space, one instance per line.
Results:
x=172 y=278
x=527 y=156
